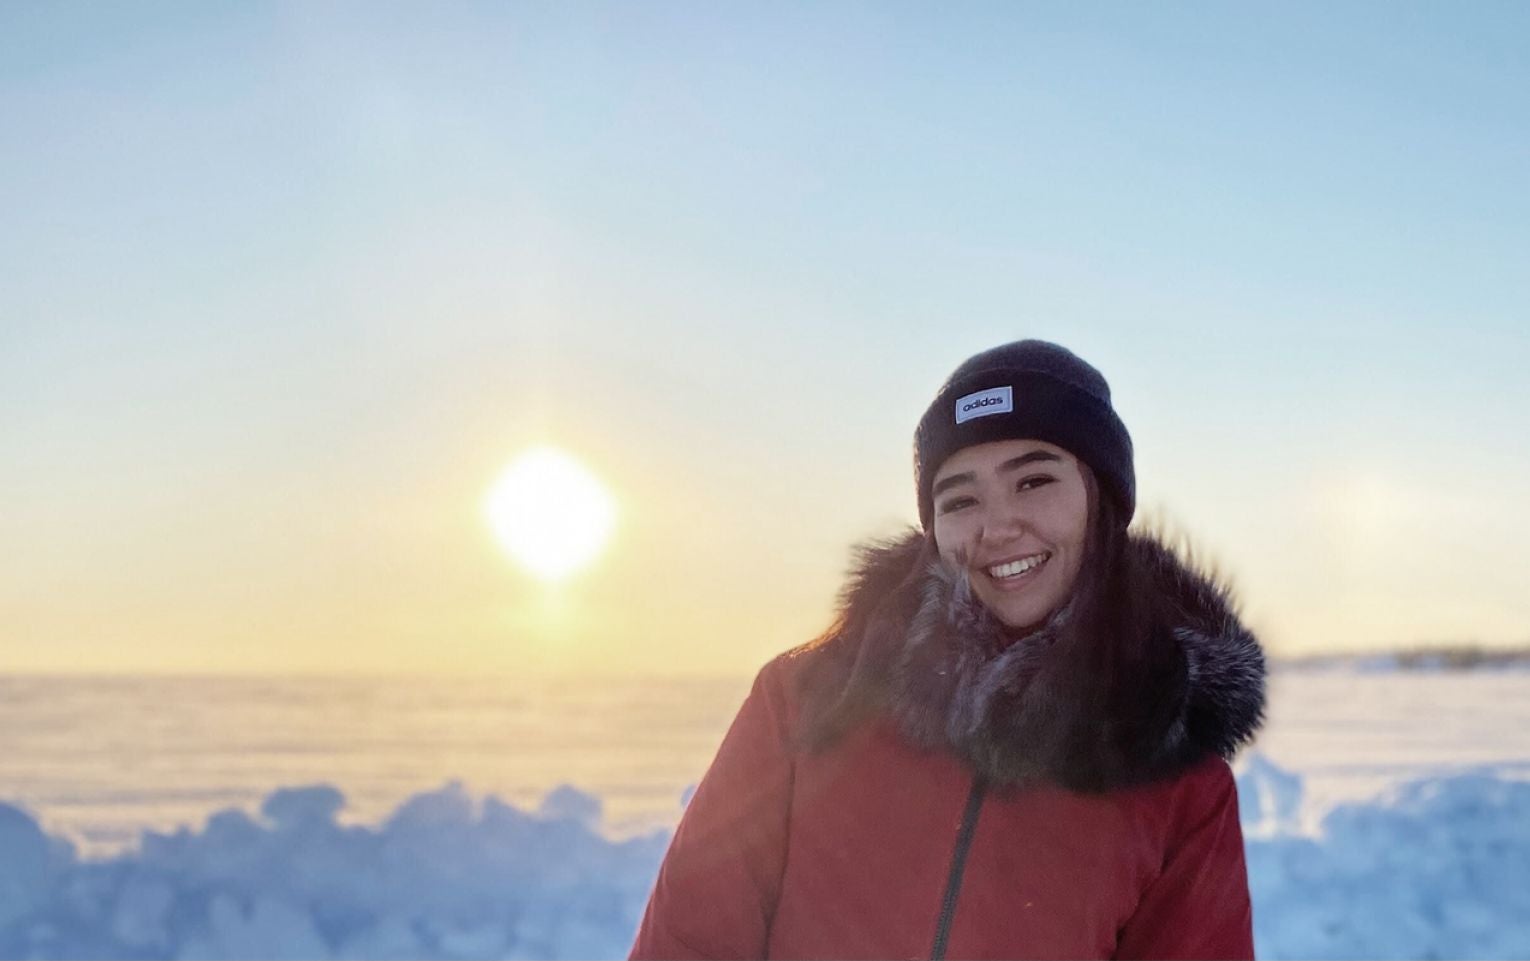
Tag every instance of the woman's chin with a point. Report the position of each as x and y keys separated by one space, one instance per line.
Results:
x=1019 y=629
x=1018 y=619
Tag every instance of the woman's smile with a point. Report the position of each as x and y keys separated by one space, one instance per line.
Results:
x=1016 y=575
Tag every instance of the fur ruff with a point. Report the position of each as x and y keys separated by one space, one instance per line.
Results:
x=953 y=678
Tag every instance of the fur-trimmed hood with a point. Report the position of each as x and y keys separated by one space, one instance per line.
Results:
x=1023 y=710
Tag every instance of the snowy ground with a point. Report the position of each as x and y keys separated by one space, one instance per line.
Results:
x=1435 y=868
x=1387 y=815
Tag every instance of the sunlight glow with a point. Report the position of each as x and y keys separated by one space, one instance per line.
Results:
x=549 y=513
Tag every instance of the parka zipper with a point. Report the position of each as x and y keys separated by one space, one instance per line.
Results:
x=958 y=865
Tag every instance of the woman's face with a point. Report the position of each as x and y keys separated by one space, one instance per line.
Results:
x=1015 y=515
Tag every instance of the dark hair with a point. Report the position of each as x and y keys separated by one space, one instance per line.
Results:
x=1112 y=658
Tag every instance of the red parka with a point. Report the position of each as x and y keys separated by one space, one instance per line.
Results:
x=885 y=847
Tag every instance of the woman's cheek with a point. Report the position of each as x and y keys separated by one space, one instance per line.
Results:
x=966 y=545
x=953 y=541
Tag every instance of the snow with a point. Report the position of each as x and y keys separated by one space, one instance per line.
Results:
x=444 y=877
x=1433 y=868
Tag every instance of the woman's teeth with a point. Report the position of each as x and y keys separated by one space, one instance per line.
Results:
x=1016 y=568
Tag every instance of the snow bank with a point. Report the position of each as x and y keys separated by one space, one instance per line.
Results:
x=1435 y=869
x=442 y=877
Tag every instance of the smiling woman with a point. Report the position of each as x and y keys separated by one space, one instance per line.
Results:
x=549 y=513
x=1012 y=742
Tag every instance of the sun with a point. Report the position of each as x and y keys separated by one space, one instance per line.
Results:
x=549 y=513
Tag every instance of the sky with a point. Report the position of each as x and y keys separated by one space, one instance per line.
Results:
x=284 y=286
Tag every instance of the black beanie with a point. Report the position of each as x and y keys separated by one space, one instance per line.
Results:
x=1027 y=390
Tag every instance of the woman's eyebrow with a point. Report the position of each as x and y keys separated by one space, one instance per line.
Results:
x=965 y=477
x=1013 y=464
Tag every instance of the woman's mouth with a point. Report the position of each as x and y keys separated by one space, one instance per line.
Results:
x=1012 y=575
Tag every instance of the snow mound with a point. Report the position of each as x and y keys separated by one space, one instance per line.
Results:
x=443 y=877
x=1432 y=869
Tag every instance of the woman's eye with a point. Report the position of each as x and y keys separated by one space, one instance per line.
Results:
x=1030 y=483
x=955 y=504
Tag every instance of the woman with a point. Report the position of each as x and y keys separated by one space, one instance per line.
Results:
x=1014 y=740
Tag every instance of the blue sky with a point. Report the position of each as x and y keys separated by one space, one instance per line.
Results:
x=284 y=285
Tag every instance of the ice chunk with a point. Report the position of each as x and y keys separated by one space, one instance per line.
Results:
x=25 y=859
x=572 y=804
x=297 y=808
x=1269 y=798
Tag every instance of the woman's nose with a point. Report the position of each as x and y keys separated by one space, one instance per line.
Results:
x=1000 y=526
